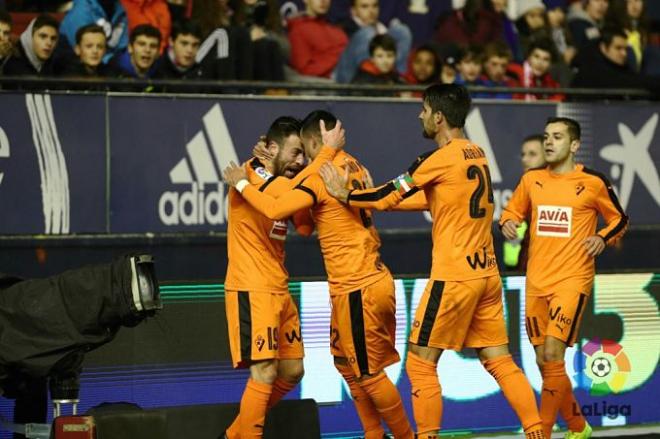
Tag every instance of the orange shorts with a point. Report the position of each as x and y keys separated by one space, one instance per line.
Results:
x=456 y=314
x=558 y=313
x=262 y=326
x=362 y=327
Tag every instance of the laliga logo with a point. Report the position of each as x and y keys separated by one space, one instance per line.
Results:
x=606 y=366
x=198 y=206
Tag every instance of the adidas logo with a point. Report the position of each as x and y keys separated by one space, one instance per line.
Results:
x=208 y=153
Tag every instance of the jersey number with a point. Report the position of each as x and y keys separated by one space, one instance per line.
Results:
x=474 y=171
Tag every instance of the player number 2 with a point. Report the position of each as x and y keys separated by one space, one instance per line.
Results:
x=474 y=171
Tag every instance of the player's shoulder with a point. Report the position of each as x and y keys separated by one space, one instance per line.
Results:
x=427 y=157
x=595 y=178
x=257 y=171
x=540 y=172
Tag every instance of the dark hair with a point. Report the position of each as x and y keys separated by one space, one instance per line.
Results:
x=498 y=49
x=609 y=32
x=265 y=13
x=5 y=17
x=534 y=138
x=437 y=62
x=147 y=30
x=573 y=126
x=310 y=124
x=210 y=14
x=383 y=41
x=544 y=44
x=617 y=16
x=186 y=27
x=88 y=29
x=44 y=20
x=452 y=100
x=282 y=128
x=472 y=52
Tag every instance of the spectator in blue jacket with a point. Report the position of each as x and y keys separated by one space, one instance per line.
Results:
x=109 y=14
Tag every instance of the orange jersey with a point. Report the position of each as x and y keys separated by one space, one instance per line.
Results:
x=564 y=211
x=349 y=241
x=456 y=183
x=255 y=243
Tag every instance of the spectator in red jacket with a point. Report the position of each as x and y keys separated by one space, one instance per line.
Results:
x=423 y=66
x=535 y=71
x=153 y=12
x=316 y=44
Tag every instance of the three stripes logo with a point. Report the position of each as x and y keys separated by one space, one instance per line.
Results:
x=208 y=153
x=52 y=164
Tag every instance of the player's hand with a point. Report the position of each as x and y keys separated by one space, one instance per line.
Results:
x=335 y=183
x=594 y=245
x=335 y=138
x=260 y=151
x=367 y=181
x=233 y=174
x=510 y=229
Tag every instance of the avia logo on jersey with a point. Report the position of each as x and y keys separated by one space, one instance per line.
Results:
x=279 y=230
x=554 y=221
x=632 y=158
x=208 y=153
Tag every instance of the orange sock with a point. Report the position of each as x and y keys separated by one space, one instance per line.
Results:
x=426 y=395
x=387 y=400
x=570 y=411
x=517 y=391
x=280 y=388
x=254 y=404
x=556 y=386
x=365 y=408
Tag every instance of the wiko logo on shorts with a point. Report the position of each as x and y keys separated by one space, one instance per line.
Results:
x=201 y=199
x=605 y=366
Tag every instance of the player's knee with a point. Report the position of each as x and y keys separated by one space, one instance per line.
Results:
x=264 y=371
x=294 y=372
x=551 y=353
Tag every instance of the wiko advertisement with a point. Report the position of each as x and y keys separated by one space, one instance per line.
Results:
x=127 y=164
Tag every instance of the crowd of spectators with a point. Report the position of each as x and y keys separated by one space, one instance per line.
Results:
x=515 y=43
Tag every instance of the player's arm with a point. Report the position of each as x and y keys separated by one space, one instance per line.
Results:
x=290 y=202
x=417 y=201
x=616 y=220
x=424 y=170
x=516 y=210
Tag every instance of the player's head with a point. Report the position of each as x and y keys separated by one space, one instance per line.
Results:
x=310 y=131
x=283 y=140
x=561 y=139
x=531 y=152
x=445 y=105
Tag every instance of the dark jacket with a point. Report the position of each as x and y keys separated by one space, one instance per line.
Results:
x=168 y=70
x=227 y=53
x=596 y=71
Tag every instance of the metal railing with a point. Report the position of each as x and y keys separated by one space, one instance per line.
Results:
x=322 y=87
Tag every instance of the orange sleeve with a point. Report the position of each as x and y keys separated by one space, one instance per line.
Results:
x=300 y=197
x=326 y=154
x=518 y=205
x=425 y=170
x=416 y=201
x=616 y=219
